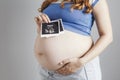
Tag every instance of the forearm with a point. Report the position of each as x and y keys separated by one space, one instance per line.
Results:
x=97 y=48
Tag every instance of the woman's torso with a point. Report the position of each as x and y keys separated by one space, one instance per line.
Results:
x=52 y=50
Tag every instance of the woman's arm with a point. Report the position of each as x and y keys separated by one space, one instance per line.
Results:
x=102 y=18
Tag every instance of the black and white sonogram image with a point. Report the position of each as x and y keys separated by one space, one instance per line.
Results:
x=50 y=28
x=54 y=28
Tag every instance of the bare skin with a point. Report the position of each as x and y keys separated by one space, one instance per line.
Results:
x=104 y=26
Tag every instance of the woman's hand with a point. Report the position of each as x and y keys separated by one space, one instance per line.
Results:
x=39 y=19
x=70 y=66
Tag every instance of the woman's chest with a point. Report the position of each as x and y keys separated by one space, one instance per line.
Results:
x=55 y=11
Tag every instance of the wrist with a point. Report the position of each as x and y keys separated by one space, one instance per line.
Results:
x=82 y=61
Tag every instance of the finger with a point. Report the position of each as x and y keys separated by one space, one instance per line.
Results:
x=40 y=18
x=65 y=71
x=63 y=68
x=38 y=21
x=62 y=71
x=44 y=18
x=64 y=62
x=47 y=17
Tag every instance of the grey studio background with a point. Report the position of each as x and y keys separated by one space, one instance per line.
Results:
x=18 y=32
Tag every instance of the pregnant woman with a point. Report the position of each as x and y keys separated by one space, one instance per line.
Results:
x=72 y=55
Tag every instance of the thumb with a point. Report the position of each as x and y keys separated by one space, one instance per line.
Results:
x=37 y=21
x=38 y=24
x=64 y=62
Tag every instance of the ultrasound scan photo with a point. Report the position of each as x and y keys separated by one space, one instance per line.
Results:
x=50 y=28
x=54 y=28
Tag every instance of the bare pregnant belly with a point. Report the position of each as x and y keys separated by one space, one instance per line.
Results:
x=50 y=51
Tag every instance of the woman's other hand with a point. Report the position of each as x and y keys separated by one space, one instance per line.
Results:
x=70 y=66
x=39 y=19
